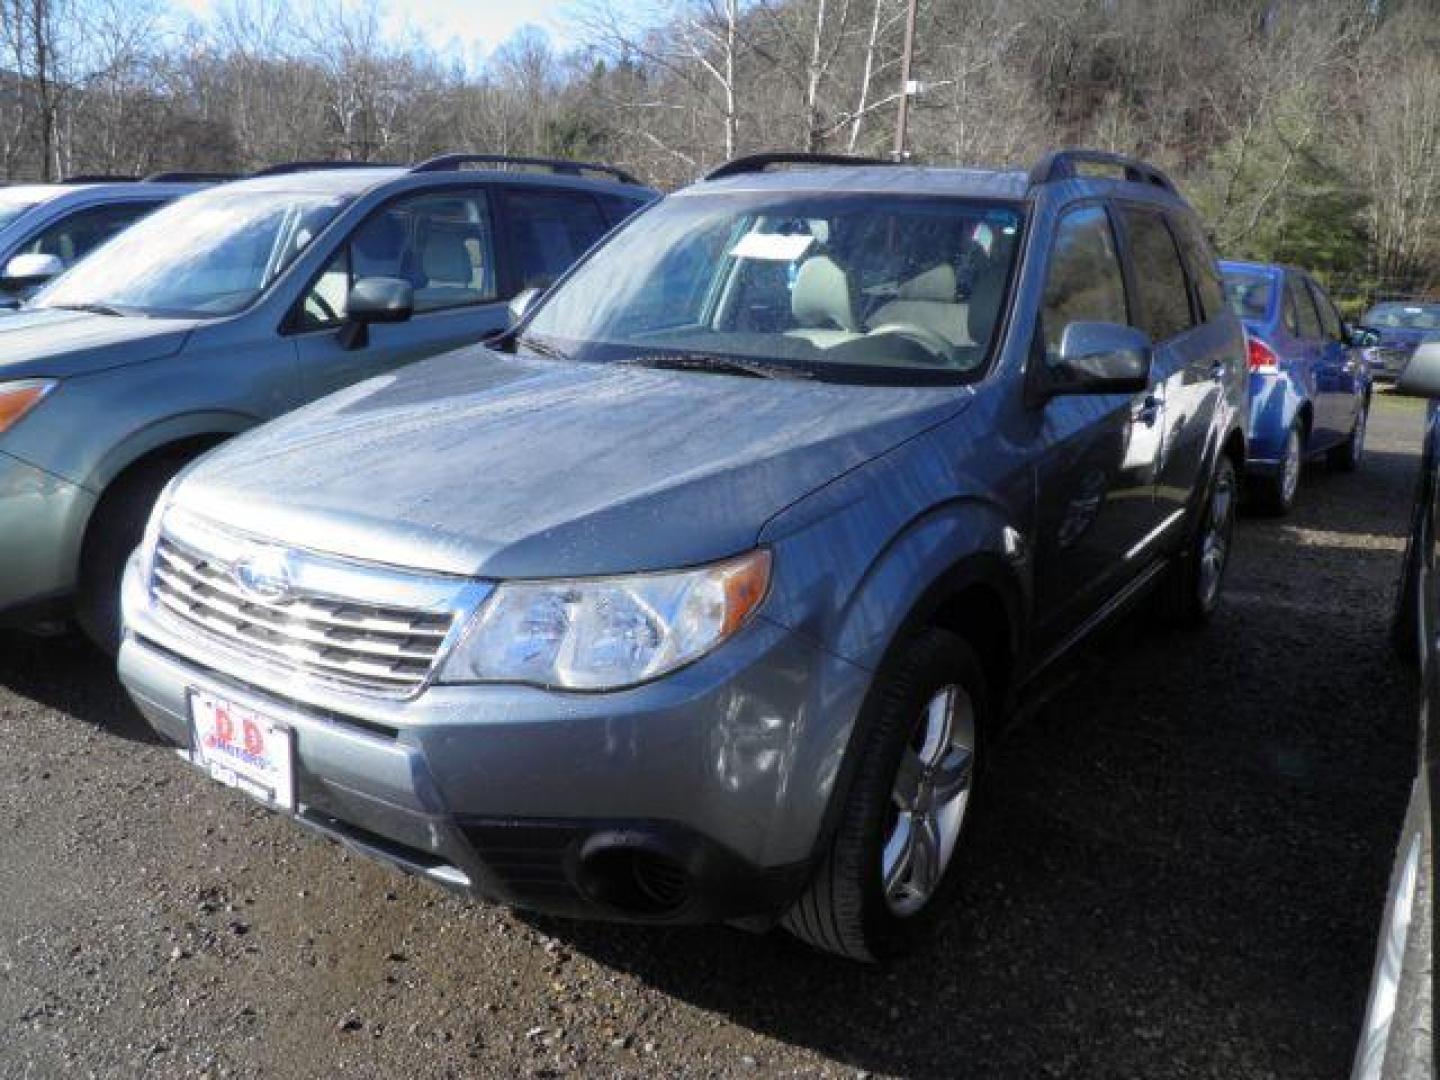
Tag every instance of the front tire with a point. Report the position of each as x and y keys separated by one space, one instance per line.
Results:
x=891 y=864
x=115 y=531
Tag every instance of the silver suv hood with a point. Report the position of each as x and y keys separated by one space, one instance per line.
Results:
x=483 y=464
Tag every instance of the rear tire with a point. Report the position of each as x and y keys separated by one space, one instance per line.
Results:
x=1348 y=455
x=1275 y=495
x=115 y=531
x=892 y=863
x=1191 y=590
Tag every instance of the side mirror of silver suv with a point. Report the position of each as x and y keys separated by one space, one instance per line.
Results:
x=375 y=300
x=523 y=304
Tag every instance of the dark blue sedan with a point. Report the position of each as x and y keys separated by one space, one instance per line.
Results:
x=1400 y=326
x=1309 y=385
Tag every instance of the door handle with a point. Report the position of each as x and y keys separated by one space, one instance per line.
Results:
x=1149 y=411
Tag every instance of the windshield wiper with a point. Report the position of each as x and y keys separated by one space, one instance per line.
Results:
x=722 y=365
x=543 y=348
x=93 y=308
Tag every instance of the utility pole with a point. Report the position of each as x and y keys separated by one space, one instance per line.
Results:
x=907 y=87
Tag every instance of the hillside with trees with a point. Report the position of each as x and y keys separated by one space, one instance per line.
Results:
x=1305 y=131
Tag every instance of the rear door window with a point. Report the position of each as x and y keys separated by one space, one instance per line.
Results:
x=1083 y=282
x=1200 y=261
x=1162 y=292
x=548 y=231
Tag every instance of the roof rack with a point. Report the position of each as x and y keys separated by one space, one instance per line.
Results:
x=98 y=178
x=182 y=177
x=448 y=162
x=284 y=168
x=1061 y=165
x=754 y=163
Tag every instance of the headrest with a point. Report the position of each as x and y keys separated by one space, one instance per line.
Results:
x=445 y=259
x=938 y=283
x=821 y=295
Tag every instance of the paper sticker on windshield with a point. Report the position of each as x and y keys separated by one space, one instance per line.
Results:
x=776 y=247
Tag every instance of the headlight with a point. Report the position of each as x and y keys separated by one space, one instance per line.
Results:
x=607 y=633
x=18 y=398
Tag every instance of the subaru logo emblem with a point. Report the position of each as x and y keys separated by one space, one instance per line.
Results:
x=264 y=575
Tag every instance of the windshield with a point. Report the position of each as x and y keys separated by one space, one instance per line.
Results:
x=875 y=288
x=1404 y=316
x=1249 y=293
x=13 y=204
x=206 y=255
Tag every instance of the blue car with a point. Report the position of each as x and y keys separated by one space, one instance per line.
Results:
x=1309 y=385
x=1400 y=327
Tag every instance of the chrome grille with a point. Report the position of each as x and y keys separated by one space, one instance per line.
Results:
x=366 y=645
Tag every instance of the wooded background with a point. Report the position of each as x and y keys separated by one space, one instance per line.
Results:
x=1306 y=132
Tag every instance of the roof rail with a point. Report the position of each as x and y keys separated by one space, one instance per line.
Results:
x=754 y=163
x=284 y=168
x=182 y=177
x=1061 y=165
x=98 y=178
x=448 y=162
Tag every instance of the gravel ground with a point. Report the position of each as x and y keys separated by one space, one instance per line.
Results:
x=1181 y=875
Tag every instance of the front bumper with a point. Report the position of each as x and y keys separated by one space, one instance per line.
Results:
x=1387 y=363
x=556 y=802
x=42 y=524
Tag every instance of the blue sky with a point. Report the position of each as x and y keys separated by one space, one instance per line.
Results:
x=470 y=29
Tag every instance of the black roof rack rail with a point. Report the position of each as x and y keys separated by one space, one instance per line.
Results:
x=559 y=166
x=99 y=178
x=183 y=177
x=1061 y=165
x=753 y=163
x=284 y=168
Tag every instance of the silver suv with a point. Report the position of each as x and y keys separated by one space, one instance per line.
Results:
x=46 y=228
x=700 y=595
x=237 y=304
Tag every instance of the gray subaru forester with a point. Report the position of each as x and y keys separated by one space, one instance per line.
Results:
x=232 y=306
x=699 y=595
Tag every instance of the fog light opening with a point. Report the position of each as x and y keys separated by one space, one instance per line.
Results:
x=635 y=881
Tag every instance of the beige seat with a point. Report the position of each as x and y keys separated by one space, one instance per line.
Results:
x=822 y=304
x=928 y=300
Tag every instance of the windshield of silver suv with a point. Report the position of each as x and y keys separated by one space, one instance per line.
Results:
x=864 y=288
x=208 y=255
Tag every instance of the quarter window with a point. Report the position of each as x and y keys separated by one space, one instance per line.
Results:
x=549 y=231
x=1164 y=297
x=1083 y=282
x=441 y=243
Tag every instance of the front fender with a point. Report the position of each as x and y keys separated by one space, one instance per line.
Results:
x=205 y=424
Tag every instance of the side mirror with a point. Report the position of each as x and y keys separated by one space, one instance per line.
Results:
x=1098 y=358
x=1361 y=337
x=375 y=300
x=1421 y=377
x=29 y=270
x=523 y=304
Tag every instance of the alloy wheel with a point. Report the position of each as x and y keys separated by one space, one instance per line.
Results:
x=1290 y=467
x=1215 y=541
x=931 y=794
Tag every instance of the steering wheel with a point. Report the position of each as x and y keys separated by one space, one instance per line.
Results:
x=941 y=351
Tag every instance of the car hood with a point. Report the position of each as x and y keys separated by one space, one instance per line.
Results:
x=53 y=343
x=482 y=464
